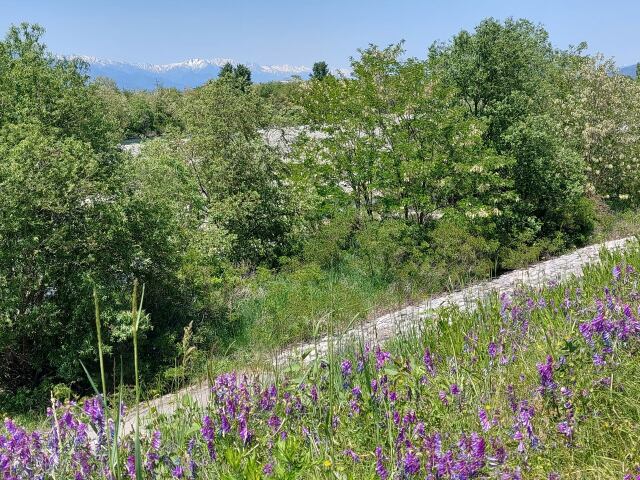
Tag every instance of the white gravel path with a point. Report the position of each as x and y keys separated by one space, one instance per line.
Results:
x=384 y=327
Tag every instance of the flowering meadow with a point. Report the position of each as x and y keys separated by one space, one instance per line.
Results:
x=539 y=383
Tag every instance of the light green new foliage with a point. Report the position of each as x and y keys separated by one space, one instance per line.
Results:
x=394 y=134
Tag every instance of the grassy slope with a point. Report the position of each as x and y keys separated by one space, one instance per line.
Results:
x=290 y=307
x=598 y=402
x=557 y=400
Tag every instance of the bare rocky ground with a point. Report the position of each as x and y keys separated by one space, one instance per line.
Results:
x=384 y=327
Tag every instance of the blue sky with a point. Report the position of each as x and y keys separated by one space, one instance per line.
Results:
x=299 y=32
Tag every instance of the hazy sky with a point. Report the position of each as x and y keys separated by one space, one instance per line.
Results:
x=302 y=31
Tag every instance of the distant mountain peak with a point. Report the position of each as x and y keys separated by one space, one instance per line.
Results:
x=192 y=63
x=189 y=73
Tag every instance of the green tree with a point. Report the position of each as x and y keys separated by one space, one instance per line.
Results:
x=320 y=70
x=499 y=70
x=227 y=69
x=242 y=179
x=394 y=139
x=508 y=76
x=38 y=87
x=242 y=75
x=239 y=76
x=600 y=118
x=74 y=215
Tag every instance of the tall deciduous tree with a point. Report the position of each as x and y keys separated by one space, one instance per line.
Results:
x=504 y=73
x=319 y=71
x=395 y=139
x=241 y=177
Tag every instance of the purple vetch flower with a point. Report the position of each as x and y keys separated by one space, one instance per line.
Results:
x=427 y=358
x=155 y=440
x=355 y=407
x=484 y=419
x=268 y=469
x=131 y=466
x=598 y=360
x=409 y=418
x=225 y=426
x=499 y=451
x=268 y=398
x=356 y=392
x=274 y=422
x=381 y=357
x=351 y=454
x=152 y=457
x=443 y=397
x=454 y=389
x=243 y=430
x=616 y=272
x=565 y=429
x=346 y=368
x=477 y=448
x=411 y=463
x=492 y=349
x=177 y=472
x=519 y=437
x=546 y=375
x=314 y=393
x=208 y=433
x=381 y=471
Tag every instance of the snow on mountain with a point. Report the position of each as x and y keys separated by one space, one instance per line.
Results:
x=285 y=69
x=187 y=74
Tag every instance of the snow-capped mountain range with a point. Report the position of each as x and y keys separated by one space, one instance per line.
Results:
x=187 y=74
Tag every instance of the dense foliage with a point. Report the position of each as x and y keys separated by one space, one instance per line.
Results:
x=260 y=209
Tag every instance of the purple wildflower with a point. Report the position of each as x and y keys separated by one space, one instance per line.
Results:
x=351 y=454
x=428 y=362
x=381 y=471
x=616 y=272
x=381 y=357
x=492 y=349
x=546 y=374
x=177 y=472
x=484 y=420
x=208 y=433
x=345 y=367
x=411 y=463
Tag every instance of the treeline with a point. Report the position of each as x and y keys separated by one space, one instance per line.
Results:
x=410 y=174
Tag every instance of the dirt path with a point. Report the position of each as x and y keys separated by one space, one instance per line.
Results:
x=384 y=327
